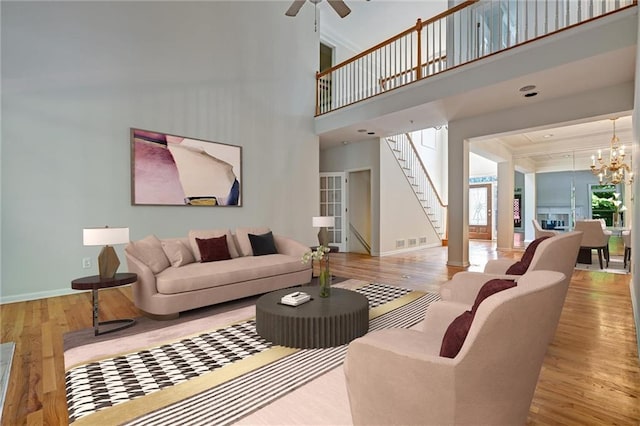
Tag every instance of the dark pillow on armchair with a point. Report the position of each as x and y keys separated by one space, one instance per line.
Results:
x=213 y=249
x=521 y=266
x=262 y=244
x=489 y=288
x=455 y=335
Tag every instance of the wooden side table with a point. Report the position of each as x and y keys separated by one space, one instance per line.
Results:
x=94 y=283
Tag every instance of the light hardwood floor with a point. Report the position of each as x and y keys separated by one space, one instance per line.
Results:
x=591 y=375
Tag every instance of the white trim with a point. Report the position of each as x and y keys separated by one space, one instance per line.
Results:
x=41 y=295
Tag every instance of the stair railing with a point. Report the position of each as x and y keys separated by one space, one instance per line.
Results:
x=470 y=31
x=414 y=169
x=360 y=238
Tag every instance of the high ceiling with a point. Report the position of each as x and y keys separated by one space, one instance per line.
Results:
x=550 y=149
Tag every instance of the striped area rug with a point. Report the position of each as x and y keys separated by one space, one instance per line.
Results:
x=248 y=375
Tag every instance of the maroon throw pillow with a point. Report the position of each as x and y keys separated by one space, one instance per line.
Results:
x=213 y=249
x=489 y=288
x=521 y=266
x=455 y=335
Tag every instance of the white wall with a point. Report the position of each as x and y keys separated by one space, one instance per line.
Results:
x=77 y=75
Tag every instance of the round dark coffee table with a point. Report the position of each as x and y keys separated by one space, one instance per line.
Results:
x=321 y=323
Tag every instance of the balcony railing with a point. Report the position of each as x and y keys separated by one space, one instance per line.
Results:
x=468 y=32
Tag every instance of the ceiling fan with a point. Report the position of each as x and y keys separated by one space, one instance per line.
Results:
x=338 y=5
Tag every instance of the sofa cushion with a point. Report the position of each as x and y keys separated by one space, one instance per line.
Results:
x=197 y=276
x=213 y=249
x=211 y=233
x=149 y=251
x=456 y=334
x=489 y=288
x=177 y=253
x=262 y=244
x=521 y=266
x=242 y=235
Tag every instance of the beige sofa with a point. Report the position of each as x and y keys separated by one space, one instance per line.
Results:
x=173 y=278
x=398 y=376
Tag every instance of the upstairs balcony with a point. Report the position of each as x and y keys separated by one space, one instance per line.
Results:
x=465 y=34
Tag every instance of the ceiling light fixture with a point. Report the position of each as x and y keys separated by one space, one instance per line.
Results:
x=616 y=170
x=527 y=88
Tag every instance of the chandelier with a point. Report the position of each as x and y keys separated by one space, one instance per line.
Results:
x=616 y=170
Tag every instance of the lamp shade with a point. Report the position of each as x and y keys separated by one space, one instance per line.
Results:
x=104 y=236
x=323 y=221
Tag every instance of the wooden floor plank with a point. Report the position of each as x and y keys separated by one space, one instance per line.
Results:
x=591 y=373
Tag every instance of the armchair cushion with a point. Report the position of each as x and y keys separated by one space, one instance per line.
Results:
x=521 y=266
x=489 y=288
x=459 y=328
x=455 y=335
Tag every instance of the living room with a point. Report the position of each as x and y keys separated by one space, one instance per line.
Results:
x=77 y=76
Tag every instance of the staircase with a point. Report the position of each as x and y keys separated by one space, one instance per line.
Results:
x=418 y=177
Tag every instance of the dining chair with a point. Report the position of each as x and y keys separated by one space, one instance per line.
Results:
x=594 y=237
x=541 y=232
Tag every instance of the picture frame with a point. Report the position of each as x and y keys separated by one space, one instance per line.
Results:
x=172 y=170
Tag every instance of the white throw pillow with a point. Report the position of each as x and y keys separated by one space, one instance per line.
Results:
x=242 y=235
x=149 y=251
x=211 y=233
x=178 y=253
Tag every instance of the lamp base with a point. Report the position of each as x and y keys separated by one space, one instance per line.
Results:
x=108 y=263
x=323 y=237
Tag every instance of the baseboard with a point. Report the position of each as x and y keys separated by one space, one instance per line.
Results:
x=25 y=297
x=409 y=249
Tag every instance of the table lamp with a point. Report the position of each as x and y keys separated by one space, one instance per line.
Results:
x=108 y=261
x=323 y=222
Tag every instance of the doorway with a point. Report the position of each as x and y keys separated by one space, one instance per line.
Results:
x=359 y=212
x=480 y=212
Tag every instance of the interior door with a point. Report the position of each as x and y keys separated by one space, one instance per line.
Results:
x=332 y=203
x=480 y=212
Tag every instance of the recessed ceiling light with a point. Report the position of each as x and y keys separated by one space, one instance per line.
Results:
x=345 y=142
x=530 y=94
x=527 y=88
x=362 y=130
x=371 y=133
x=548 y=135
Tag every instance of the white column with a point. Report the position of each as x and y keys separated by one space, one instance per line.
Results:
x=458 y=210
x=505 y=204
x=530 y=205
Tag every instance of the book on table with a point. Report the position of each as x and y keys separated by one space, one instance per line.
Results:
x=295 y=299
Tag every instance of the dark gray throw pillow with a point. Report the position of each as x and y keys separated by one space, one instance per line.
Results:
x=263 y=244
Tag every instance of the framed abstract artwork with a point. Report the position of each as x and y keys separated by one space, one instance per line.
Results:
x=172 y=170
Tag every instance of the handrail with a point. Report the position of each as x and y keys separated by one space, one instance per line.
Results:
x=360 y=238
x=463 y=34
x=424 y=168
x=398 y=36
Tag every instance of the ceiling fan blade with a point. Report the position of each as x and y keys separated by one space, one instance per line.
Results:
x=295 y=7
x=340 y=7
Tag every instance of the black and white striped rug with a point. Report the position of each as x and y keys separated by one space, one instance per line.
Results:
x=100 y=385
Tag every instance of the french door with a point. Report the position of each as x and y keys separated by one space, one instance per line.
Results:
x=332 y=203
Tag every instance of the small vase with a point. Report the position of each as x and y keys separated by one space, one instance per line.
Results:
x=325 y=280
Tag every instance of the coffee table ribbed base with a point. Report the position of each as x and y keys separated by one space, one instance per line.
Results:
x=320 y=323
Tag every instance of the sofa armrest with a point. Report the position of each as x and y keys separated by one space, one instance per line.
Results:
x=464 y=286
x=145 y=287
x=498 y=266
x=289 y=246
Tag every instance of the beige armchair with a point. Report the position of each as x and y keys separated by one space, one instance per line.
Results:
x=594 y=237
x=541 y=232
x=397 y=376
x=557 y=253
x=626 y=238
